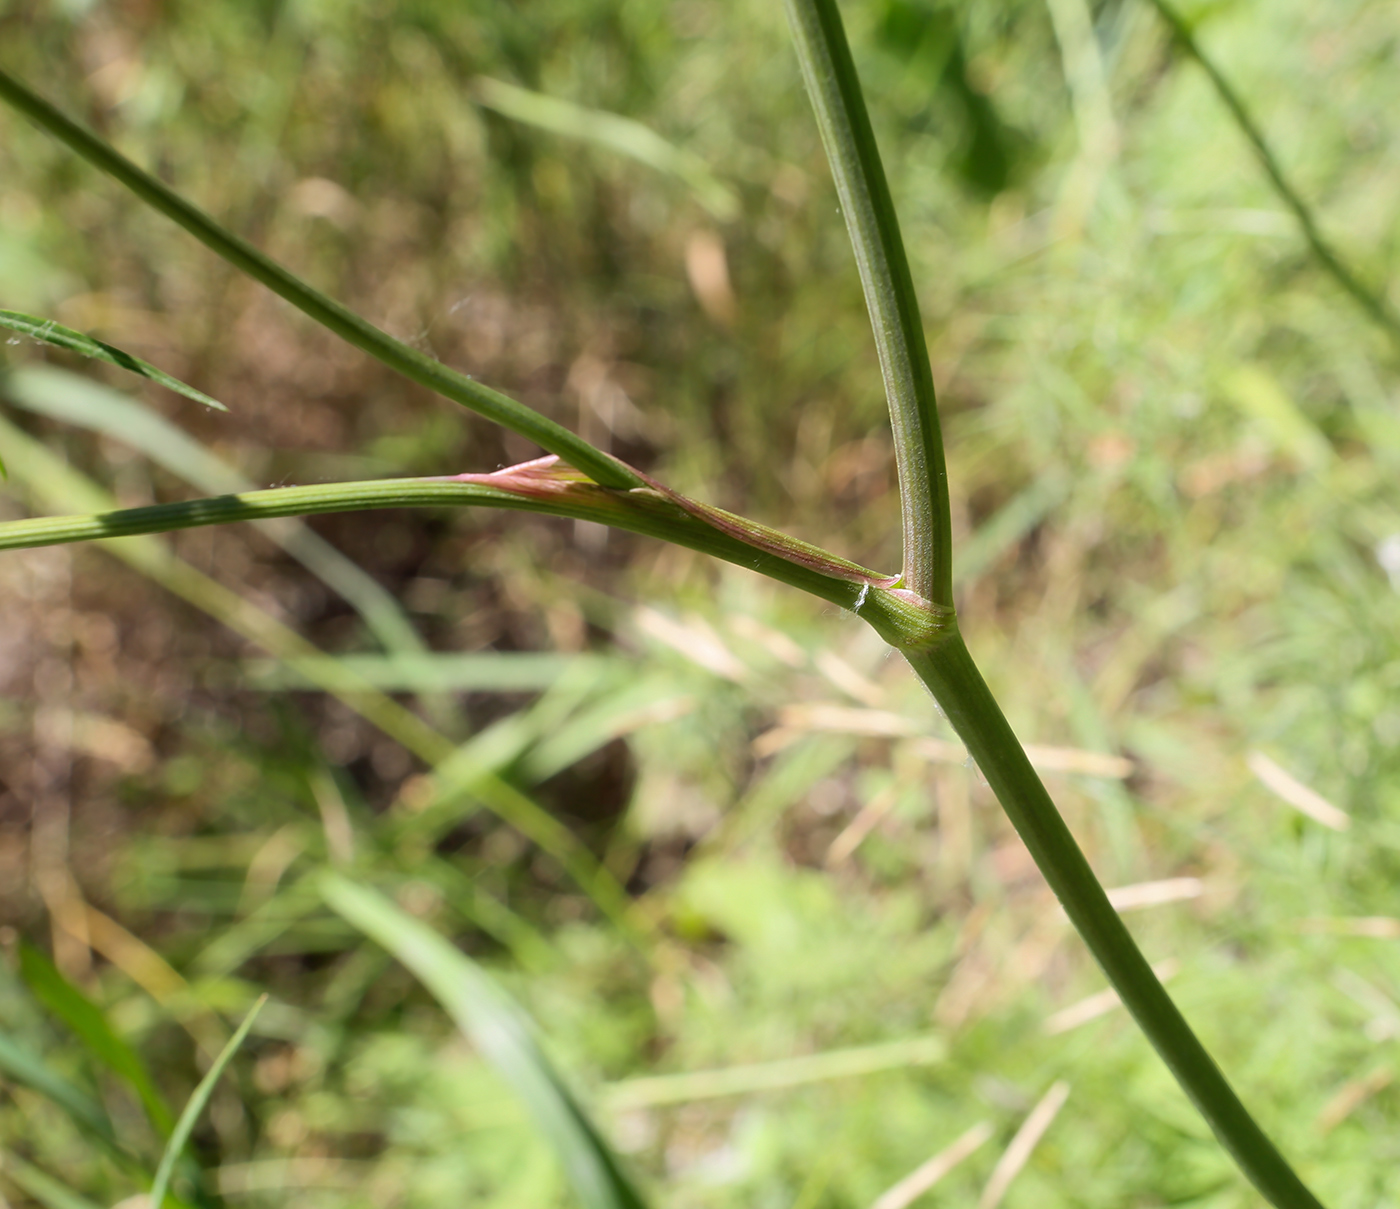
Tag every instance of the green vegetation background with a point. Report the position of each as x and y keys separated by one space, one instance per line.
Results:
x=1174 y=450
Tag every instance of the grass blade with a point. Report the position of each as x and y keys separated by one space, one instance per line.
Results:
x=442 y=672
x=1370 y=300
x=77 y=400
x=618 y=134
x=49 y=1192
x=409 y=362
x=19 y=1064
x=185 y=1125
x=88 y=1023
x=501 y=1031
x=66 y=338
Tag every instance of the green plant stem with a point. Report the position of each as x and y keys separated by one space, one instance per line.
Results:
x=834 y=89
x=893 y=614
x=1371 y=301
x=344 y=323
x=941 y=659
x=950 y=674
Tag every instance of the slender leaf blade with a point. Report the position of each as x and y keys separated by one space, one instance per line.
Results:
x=17 y=1063
x=39 y=1184
x=185 y=1125
x=88 y=1023
x=22 y=1066
x=502 y=1032
x=73 y=399
x=619 y=134
x=442 y=671
x=49 y=332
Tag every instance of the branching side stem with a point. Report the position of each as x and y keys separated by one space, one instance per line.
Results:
x=1371 y=301
x=409 y=362
x=834 y=88
x=900 y=618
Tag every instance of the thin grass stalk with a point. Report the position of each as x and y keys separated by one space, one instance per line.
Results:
x=502 y=1033
x=1371 y=301
x=409 y=362
x=834 y=89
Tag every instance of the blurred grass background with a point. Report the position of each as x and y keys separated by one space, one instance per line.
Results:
x=1173 y=447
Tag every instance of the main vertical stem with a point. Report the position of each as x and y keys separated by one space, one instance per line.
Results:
x=948 y=671
x=941 y=660
x=834 y=88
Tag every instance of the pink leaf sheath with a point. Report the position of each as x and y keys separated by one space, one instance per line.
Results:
x=549 y=478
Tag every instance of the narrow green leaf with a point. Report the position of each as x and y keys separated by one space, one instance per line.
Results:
x=618 y=134
x=49 y=1192
x=493 y=749
x=77 y=400
x=645 y=700
x=66 y=338
x=87 y=1022
x=230 y=948
x=440 y=671
x=185 y=1125
x=503 y=1034
x=19 y=1064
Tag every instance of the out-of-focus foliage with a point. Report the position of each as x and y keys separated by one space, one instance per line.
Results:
x=1173 y=447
